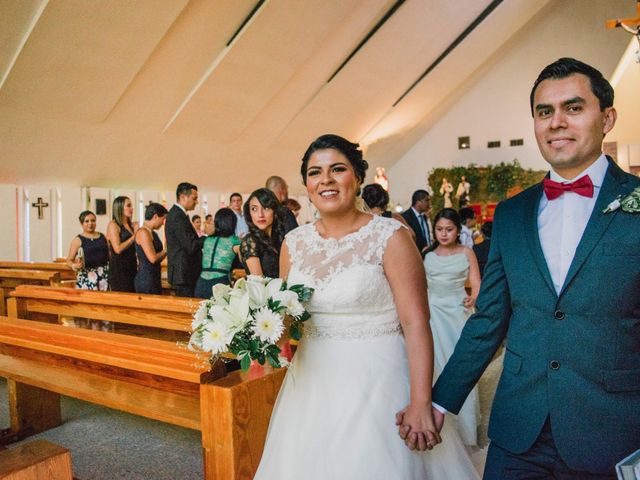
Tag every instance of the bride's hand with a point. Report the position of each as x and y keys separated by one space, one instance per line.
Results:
x=418 y=428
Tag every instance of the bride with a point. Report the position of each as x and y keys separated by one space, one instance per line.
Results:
x=367 y=349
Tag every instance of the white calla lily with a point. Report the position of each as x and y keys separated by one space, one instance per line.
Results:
x=220 y=292
x=234 y=316
x=274 y=286
x=257 y=294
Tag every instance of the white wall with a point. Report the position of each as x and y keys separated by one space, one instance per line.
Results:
x=496 y=106
x=73 y=202
x=8 y=239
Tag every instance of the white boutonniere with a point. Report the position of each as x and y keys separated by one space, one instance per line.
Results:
x=629 y=203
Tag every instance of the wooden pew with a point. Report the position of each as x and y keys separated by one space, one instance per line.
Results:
x=162 y=317
x=56 y=266
x=153 y=378
x=10 y=278
x=39 y=459
x=13 y=274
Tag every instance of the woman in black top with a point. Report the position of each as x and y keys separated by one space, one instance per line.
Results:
x=120 y=233
x=260 y=248
x=150 y=251
x=89 y=256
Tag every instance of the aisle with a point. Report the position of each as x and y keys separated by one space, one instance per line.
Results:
x=107 y=444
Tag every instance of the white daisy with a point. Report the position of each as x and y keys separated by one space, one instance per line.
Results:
x=269 y=325
x=216 y=338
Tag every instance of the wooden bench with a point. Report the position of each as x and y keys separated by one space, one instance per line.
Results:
x=10 y=278
x=162 y=317
x=148 y=377
x=37 y=460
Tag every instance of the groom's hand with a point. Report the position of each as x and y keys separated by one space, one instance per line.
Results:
x=425 y=437
x=438 y=418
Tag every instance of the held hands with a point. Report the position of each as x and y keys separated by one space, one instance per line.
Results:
x=419 y=426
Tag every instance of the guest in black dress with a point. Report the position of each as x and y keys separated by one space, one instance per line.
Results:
x=260 y=248
x=150 y=251
x=120 y=233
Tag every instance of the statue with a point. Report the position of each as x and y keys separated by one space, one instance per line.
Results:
x=381 y=178
x=462 y=194
x=445 y=190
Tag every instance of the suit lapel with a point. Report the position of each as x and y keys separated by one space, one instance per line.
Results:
x=533 y=237
x=415 y=224
x=598 y=221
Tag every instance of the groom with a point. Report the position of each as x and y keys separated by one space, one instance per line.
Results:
x=562 y=288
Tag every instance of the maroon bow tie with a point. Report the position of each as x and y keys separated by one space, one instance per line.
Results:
x=583 y=186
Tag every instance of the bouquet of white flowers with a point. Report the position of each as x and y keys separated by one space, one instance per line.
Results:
x=248 y=319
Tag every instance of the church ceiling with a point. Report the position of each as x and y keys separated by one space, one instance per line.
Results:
x=147 y=93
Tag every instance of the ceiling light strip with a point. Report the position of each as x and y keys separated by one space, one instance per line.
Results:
x=485 y=13
x=382 y=21
x=23 y=41
x=246 y=20
x=216 y=61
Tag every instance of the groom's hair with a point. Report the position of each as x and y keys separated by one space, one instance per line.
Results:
x=565 y=67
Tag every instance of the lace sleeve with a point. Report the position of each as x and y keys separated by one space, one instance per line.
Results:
x=291 y=239
x=386 y=228
x=249 y=248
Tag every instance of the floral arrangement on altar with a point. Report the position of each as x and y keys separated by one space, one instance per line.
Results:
x=248 y=319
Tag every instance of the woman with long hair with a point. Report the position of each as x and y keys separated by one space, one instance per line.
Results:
x=260 y=248
x=121 y=236
x=366 y=351
x=448 y=266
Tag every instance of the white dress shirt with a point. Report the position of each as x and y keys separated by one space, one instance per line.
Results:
x=562 y=221
x=425 y=226
x=241 y=227
x=466 y=237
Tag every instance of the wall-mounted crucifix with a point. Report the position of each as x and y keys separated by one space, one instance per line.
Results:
x=40 y=205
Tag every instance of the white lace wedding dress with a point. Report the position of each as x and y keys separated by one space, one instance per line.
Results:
x=335 y=414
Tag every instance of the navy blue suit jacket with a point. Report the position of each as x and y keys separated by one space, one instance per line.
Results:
x=573 y=357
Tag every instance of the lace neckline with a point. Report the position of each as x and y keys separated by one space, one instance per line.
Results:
x=362 y=230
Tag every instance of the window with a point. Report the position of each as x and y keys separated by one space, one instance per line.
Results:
x=494 y=144
x=516 y=142
x=464 y=143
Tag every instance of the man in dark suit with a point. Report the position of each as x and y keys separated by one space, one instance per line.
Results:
x=561 y=287
x=417 y=216
x=184 y=248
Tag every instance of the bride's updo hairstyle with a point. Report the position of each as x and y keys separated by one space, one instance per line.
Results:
x=342 y=145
